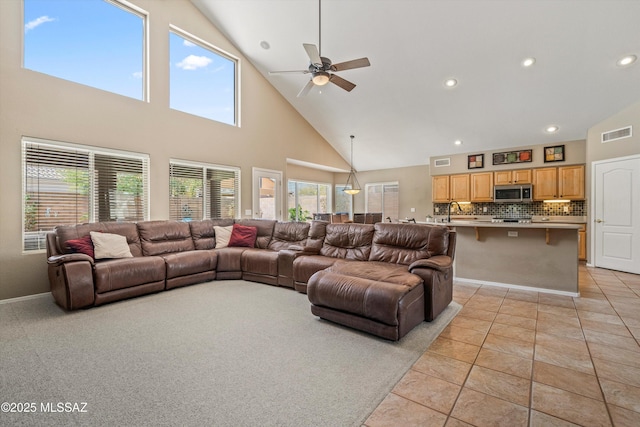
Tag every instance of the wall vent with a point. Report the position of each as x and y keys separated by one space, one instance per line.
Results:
x=616 y=134
x=442 y=162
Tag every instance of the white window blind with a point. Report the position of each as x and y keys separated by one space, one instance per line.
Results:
x=383 y=197
x=200 y=191
x=69 y=184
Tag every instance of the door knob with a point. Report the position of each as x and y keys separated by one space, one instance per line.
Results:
x=599 y=221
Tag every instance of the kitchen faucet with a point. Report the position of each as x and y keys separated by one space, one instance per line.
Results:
x=449 y=212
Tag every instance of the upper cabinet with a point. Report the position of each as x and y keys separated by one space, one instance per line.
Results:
x=564 y=182
x=482 y=187
x=446 y=188
x=518 y=176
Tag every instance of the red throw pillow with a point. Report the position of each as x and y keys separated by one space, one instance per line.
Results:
x=243 y=235
x=83 y=245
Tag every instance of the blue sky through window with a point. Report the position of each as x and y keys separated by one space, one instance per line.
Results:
x=202 y=81
x=91 y=42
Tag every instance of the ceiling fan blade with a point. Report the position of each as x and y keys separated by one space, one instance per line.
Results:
x=271 y=73
x=344 y=84
x=305 y=90
x=348 y=65
x=313 y=53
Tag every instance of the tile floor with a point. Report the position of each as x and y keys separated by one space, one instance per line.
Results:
x=517 y=358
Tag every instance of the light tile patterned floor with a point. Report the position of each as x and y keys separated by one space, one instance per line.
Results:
x=517 y=358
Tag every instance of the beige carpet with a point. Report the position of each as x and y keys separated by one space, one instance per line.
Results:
x=224 y=353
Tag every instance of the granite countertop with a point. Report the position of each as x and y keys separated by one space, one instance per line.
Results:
x=574 y=222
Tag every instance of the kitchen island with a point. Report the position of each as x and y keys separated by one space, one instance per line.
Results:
x=538 y=256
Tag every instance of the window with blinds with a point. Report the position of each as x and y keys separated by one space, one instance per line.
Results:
x=70 y=184
x=383 y=197
x=201 y=191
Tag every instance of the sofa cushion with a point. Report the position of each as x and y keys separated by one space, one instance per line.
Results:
x=123 y=273
x=286 y=234
x=243 y=236
x=265 y=230
x=203 y=234
x=406 y=243
x=163 y=237
x=348 y=241
x=83 y=245
x=187 y=263
x=223 y=235
x=368 y=298
x=381 y=271
x=127 y=229
x=305 y=266
x=260 y=261
x=109 y=245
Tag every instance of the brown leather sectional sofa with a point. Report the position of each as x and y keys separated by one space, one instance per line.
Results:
x=383 y=278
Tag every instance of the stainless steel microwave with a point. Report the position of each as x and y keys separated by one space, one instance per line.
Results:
x=513 y=193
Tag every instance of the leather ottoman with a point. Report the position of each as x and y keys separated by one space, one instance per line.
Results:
x=379 y=298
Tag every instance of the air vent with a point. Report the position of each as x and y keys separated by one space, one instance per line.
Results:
x=442 y=162
x=616 y=134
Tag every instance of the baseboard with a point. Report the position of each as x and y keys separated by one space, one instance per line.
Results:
x=518 y=287
x=24 y=298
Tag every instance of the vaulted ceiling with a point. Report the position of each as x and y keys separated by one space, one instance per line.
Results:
x=401 y=112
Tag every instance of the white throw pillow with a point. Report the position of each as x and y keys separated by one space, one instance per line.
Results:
x=223 y=234
x=107 y=245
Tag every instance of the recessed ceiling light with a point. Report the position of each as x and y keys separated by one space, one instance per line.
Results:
x=627 y=60
x=528 y=62
x=450 y=82
x=457 y=142
x=552 y=129
x=265 y=45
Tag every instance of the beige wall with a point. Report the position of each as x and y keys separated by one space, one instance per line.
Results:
x=37 y=105
x=415 y=189
x=574 y=154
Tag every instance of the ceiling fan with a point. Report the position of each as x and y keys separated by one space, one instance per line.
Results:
x=321 y=69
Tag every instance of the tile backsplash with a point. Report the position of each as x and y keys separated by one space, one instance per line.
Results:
x=515 y=210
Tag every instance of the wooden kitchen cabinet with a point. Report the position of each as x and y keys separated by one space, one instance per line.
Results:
x=582 y=243
x=482 y=187
x=517 y=176
x=440 y=189
x=564 y=182
x=571 y=182
x=446 y=188
x=460 y=187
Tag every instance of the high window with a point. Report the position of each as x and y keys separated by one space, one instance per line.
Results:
x=93 y=42
x=69 y=184
x=202 y=78
x=383 y=197
x=201 y=191
x=306 y=199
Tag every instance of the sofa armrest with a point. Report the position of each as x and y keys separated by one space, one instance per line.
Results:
x=62 y=259
x=438 y=262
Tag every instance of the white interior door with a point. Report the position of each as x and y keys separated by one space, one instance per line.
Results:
x=616 y=226
x=267 y=193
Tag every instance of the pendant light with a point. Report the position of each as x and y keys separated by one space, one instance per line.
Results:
x=352 y=180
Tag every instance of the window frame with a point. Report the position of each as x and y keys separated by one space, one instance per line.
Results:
x=383 y=184
x=220 y=52
x=205 y=167
x=129 y=8
x=330 y=190
x=92 y=151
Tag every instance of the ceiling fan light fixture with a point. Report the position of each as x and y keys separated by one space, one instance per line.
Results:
x=321 y=78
